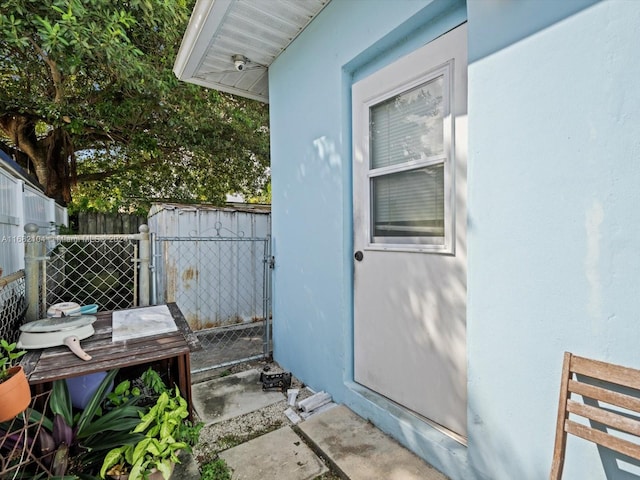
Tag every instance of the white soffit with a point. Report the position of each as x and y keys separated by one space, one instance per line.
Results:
x=258 y=30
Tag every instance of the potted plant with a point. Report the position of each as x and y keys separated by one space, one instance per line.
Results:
x=15 y=394
x=166 y=433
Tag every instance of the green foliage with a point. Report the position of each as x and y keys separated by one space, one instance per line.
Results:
x=161 y=443
x=143 y=391
x=152 y=380
x=263 y=197
x=215 y=470
x=78 y=440
x=230 y=441
x=123 y=393
x=92 y=81
x=114 y=429
x=8 y=358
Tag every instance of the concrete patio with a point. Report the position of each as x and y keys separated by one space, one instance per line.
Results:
x=334 y=443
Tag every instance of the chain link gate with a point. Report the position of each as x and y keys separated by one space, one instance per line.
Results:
x=87 y=272
x=111 y=271
x=222 y=286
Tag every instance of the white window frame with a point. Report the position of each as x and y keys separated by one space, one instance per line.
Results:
x=389 y=82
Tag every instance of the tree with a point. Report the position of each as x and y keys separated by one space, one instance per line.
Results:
x=87 y=95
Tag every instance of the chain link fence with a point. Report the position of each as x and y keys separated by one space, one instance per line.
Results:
x=222 y=287
x=93 y=270
x=107 y=270
x=12 y=305
x=221 y=284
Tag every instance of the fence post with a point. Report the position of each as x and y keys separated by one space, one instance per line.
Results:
x=51 y=213
x=145 y=251
x=20 y=215
x=153 y=270
x=31 y=271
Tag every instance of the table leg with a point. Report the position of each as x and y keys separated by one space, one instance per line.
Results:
x=184 y=380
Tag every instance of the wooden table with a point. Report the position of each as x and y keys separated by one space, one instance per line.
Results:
x=45 y=366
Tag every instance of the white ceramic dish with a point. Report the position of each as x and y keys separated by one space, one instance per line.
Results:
x=53 y=332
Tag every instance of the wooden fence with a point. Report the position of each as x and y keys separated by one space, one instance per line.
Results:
x=92 y=223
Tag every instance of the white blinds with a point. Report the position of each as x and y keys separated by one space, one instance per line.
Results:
x=405 y=129
x=408 y=126
x=409 y=204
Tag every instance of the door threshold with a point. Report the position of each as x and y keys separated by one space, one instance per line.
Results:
x=402 y=412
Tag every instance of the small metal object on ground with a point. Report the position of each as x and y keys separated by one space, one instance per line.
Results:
x=281 y=381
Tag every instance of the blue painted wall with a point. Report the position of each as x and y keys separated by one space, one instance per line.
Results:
x=554 y=119
x=554 y=227
x=311 y=173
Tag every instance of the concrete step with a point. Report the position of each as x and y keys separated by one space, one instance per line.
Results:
x=360 y=451
x=227 y=397
x=278 y=455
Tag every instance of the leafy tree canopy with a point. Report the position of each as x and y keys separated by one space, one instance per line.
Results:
x=89 y=103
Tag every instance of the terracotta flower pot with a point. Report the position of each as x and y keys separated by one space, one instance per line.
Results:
x=15 y=394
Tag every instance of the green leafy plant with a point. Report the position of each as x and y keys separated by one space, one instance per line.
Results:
x=215 y=470
x=123 y=393
x=158 y=449
x=76 y=442
x=8 y=358
x=152 y=380
x=145 y=390
x=189 y=432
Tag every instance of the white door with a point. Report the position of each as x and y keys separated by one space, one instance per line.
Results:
x=409 y=206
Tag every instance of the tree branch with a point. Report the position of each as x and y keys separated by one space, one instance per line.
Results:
x=97 y=176
x=56 y=74
x=20 y=131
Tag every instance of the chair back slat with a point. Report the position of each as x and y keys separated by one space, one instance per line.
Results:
x=605 y=417
x=625 y=376
x=597 y=436
x=603 y=395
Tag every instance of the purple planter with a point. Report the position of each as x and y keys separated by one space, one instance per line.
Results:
x=82 y=388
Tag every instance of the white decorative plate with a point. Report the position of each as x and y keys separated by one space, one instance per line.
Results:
x=57 y=324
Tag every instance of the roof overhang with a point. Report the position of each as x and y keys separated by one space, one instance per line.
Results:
x=251 y=32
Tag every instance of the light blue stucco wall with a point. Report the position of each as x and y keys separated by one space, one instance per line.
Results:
x=311 y=170
x=554 y=224
x=554 y=111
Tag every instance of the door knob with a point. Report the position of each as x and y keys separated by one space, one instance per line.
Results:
x=359 y=256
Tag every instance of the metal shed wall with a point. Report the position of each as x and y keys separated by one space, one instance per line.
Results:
x=210 y=261
x=168 y=220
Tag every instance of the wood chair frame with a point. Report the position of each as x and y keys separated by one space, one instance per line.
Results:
x=573 y=371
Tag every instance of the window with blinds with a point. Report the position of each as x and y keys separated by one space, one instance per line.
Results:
x=409 y=204
x=408 y=157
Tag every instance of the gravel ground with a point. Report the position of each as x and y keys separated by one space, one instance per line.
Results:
x=223 y=435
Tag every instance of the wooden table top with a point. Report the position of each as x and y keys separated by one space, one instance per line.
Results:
x=56 y=363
